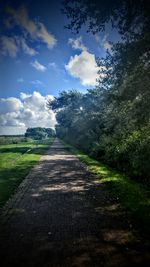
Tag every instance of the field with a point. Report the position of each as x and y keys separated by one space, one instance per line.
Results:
x=16 y=159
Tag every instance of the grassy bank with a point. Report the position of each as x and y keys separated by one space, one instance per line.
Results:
x=131 y=195
x=16 y=160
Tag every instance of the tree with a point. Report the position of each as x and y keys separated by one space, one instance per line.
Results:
x=112 y=121
x=39 y=133
x=124 y=15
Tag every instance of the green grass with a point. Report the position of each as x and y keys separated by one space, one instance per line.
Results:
x=16 y=160
x=132 y=196
x=5 y=140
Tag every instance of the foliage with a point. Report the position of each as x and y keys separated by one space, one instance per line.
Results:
x=12 y=139
x=132 y=196
x=112 y=121
x=39 y=133
x=122 y=14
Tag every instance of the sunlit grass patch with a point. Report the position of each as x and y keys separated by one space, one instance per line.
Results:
x=134 y=197
x=16 y=160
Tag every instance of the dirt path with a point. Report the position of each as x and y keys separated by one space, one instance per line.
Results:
x=61 y=216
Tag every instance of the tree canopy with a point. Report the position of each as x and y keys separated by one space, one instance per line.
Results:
x=125 y=15
x=39 y=133
x=112 y=121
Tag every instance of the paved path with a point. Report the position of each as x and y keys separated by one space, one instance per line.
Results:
x=61 y=216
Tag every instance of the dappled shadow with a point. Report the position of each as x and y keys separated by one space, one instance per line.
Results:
x=61 y=216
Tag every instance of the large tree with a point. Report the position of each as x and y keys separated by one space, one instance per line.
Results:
x=39 y=133
x=112 y=121
x=126 y=15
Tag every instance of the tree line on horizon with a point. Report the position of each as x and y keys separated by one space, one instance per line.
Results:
x=112 y=121
x=39 y=133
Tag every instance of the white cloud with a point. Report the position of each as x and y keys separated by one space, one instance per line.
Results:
x=8 y=46
x=84 y=67
x=27 y=50
x=46 y=37
x=28 y=111
x=38 y=66
x=104 y=42
x=10 y=120
x=10 y=104
x=23 y=95
x=77 y=43
x=35 y=29
x=12 y=45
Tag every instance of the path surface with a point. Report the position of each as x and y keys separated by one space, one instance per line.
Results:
x=60 y=216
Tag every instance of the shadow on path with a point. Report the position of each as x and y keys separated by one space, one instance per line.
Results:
x=61 y=216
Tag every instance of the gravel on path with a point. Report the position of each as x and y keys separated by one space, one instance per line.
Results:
x=62 y=217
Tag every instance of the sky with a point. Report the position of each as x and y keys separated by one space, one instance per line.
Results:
x=39 y=58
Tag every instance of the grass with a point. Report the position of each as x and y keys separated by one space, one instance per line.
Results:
x=12 y=139
x=16 y=160
x=131 y=195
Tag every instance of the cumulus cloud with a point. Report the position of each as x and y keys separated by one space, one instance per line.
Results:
x=35 y=29
x=38 y=66
x=10 y=104
x=30 y=110
x=84 y=67
x=77 y=43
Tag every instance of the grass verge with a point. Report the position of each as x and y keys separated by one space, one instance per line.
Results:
x=16 y=160
x=131 y=195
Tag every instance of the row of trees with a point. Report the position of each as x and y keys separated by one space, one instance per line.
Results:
x=39 y=133
x=112 y=121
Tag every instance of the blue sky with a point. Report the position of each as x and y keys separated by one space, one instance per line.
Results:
x=39 y=55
